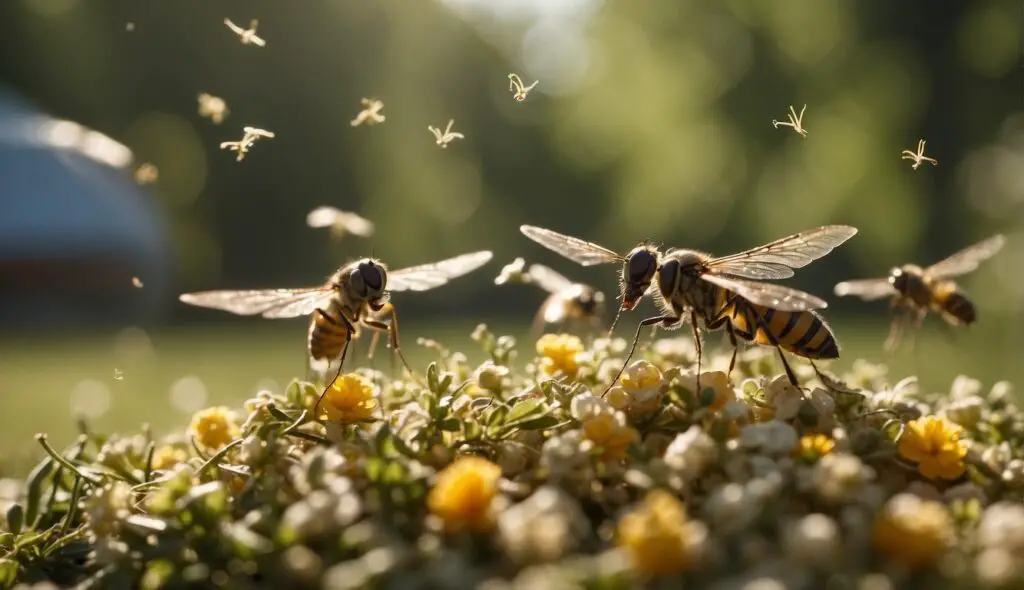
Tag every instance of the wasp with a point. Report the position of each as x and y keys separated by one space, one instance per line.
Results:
x=914 y=291
x=356 y=295
x=717 y=292
x=567 y=302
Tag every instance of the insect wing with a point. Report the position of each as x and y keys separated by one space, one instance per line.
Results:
x=428 y=276
x=776 y=260
x=356 y=225
x=767 y=294
x=272 y=303
x=866 y=289
x=967 y=259
x=579 y=251
x=547 y=279
x=322 y=217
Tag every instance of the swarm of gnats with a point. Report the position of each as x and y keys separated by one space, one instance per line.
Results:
x=524 y=472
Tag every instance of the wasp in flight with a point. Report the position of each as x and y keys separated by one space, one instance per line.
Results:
x=694 y=285
x=355 y=295
x=567 y=301
x=914 y=291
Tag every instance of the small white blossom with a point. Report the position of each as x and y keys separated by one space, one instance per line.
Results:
x=691 y=453
x=840 y=478
x=773 y=437
x=814 y=541
x=966 y=411
x=544 y=527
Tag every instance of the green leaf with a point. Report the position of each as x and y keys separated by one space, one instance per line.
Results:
x=445 y=383
x=542 y=423
x=382 y=436
x=34 y=489
x=433 y=379
x=403 y=447
x=473 y=431
x=8 y=572
x=496 y=416
x=524 y=409
x=707 y=397
x=450 y=425
x=15 y=518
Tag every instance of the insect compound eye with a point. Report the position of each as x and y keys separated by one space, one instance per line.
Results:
x=641 y=266
x=372 y=276
x=898 y=279
x=668 y=274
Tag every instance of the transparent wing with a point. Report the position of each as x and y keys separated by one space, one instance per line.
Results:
x=579 y=251
x=272 y=303
x=237 y=29
x=547 y=279
x=866 y=289
x=767 y=294
x=355 y=224
x=776 y=260
x=428 y=276
x=967 y=259
x=322 y=217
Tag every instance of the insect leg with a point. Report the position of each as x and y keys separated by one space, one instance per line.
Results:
x=735 y=348
x=392 y=330
x=771 y=338
x=349 y=330
x=667 y=320
x=696 y=342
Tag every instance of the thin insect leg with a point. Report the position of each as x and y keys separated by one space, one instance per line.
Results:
x=892 y=341
x=697 y=344
x=350 y=330
x=735 y=349
x=373 y=345
x=916 y=328
x=665 y=319
x=392 y=330
x=785 y=364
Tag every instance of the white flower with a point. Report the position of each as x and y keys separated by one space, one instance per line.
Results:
x=691 y=453
x=997 y=568
x=964 y=387
x=784 y=397
x=253 y=449
x=565 y=454
x=1001 y=392
x=966 y=411
x=587 y=405
x=491 y=376
x=512 y=458
x=839 y=478
x=544 y=527
x=1002 y=526
x=731 y=507
x=814 y=541
x=773 y=437
x=408 y=420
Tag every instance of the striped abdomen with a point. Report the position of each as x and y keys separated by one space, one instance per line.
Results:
x=327 y=334
x=954 y=304
x=803 y=333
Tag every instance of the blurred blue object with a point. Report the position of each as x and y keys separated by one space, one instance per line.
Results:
x=74 y=227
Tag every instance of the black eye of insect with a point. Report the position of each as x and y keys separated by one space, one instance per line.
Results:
x=372 y=275
x=641 y=266
x=898 y=279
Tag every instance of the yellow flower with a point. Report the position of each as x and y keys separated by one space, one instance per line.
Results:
x=349 y=398
x=560 y=352
x=640 y=389
x=913 y=531
x=658 y=537
x=463 y=494
x=814 y=446
x=168 y=456
x=609 y=431
x=718 y=381
x=214 y=428
x=934 y=444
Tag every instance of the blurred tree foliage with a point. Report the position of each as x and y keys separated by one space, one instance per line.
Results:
x=654 y=122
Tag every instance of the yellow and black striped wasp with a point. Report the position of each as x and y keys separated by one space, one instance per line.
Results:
x=719 y=292
x=915 y=291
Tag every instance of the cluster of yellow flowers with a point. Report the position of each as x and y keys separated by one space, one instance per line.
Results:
x=549 y=469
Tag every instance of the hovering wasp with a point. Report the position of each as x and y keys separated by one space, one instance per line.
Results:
x=915 y=290
x=567 y=301
x=353 y=296
x=718 y=292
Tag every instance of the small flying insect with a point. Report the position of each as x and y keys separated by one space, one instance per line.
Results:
x=247 y=36
x=340 y=222
x=915 y=291
x=568 y=302
x=694 y=285
x=351 y=298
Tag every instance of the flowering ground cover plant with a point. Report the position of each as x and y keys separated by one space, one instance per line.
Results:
x=518 y=473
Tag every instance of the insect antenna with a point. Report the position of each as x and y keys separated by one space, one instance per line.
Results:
x=615 y=321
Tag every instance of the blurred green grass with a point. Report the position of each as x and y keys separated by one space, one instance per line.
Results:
x=235 y=361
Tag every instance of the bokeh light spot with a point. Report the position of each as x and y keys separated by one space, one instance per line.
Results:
x=188 y=394
x=172 y=143
x=90 y=399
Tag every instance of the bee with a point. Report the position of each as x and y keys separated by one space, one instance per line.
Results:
x=695 y=286
x=355 y=295
x=915 y=291
x=567 y=302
